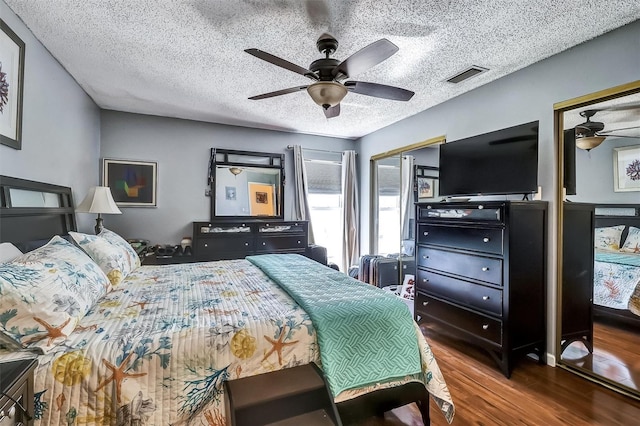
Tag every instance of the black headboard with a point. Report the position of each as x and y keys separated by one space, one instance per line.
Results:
x=42 y=212
x=618 y=214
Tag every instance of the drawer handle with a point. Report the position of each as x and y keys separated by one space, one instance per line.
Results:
x=206 y=245
x=486 y=240
x=298 y=242
x=425 y=233
x=264 y=244
x=485 y=268
x=424 y=256
x=485 y=298
x=425 y=280
x=425 y=303
x=485 y=326
x=246 y=244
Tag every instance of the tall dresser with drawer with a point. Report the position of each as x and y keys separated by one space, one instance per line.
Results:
x=237 y=239
x=481 y=274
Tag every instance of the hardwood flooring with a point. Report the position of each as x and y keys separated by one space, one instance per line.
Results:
x=615 y=354
x=535 y=395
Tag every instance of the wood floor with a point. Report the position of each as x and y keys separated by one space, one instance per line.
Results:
x=615 y=354
x=535 y=395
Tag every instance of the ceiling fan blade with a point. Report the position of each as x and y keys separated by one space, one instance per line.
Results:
x=278 y=93
x=632 y=132
x=281 y=63
x=379 y=90
x=334 y=111
x=366 y=58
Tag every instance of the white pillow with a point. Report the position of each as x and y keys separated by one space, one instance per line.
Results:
x=8 y=252
x=608 y=238
x=632 y=243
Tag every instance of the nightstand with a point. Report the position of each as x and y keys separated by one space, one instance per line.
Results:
x=166 y=260
x=16 y=392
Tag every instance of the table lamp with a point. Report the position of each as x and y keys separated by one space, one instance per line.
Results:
x=100 y=201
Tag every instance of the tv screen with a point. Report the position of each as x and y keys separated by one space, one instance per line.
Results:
x=500 y=162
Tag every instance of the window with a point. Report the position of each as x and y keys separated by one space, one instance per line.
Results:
x=324 y=178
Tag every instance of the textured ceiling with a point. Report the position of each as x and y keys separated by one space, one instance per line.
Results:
x=185 y=58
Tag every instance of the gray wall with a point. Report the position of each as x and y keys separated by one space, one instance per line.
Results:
x=181 y=149
x=60 y=124
x=526 y=95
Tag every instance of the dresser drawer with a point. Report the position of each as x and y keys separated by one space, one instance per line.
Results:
x=488 y=240
x=278 y=243
x=469 y=322
x=475 y=296
x=221 y=244
x=466 y=265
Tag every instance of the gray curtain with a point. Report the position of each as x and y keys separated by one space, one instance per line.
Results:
x=350 y=211
x=301 y=190
x=406 y=196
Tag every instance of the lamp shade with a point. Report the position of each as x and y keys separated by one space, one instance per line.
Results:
x=98 y=200
x=327 y=93
x=589 y=142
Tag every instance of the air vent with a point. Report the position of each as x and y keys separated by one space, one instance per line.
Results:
x=468 y=73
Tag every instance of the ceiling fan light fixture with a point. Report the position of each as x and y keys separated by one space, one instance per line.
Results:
x=589 y=142
x=327 y=93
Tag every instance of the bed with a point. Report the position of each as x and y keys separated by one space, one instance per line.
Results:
x=153 y=344
x=617 y=264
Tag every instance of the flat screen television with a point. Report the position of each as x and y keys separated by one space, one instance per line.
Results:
x=495 y=163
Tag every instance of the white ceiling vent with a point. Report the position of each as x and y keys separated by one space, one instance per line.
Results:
x=473 y=70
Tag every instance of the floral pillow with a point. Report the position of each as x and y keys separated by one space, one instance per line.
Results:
x=46 y=292
x=118 y=241
x=608 y=238
x=107 y=250
x=632 y=243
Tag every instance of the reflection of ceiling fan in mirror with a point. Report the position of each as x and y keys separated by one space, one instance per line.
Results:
x=328 y=90
x=590 y=134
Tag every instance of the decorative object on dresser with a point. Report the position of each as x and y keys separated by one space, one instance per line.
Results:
x=133 y=182
x=11 y=87
x=16 y=391
x=217 y=240
x=246 y=183
x=481 y=274
x=100 y=201
x=577 y=274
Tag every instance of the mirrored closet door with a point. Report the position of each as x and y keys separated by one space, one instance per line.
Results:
x=599 y=236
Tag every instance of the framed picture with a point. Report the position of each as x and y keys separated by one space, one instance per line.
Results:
x=11 y=87
x=425 y=188
x=261 y=199
x=626 y=168
x=425 y=185
x=132 y=183
x=230 y=193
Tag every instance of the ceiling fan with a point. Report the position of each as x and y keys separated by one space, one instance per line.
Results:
x=328 y=88
x=590 y=134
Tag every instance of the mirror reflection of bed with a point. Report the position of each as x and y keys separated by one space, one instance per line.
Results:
x=610 y=215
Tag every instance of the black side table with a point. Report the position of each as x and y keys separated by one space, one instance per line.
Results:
x=16 y=392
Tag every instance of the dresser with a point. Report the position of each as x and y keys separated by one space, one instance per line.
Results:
x=481 y=274
x=577 y=274
x=237 y=239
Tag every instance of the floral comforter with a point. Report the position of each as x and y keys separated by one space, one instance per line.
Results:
x=156 y=350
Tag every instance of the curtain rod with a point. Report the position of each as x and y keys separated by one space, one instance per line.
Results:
x=319 y=150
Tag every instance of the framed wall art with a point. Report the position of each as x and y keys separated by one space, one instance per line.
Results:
x=626 y=168
x=11 y=87
x=426 y=183
x=132 y=183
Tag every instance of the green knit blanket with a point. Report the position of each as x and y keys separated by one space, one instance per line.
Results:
x=365 y=335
